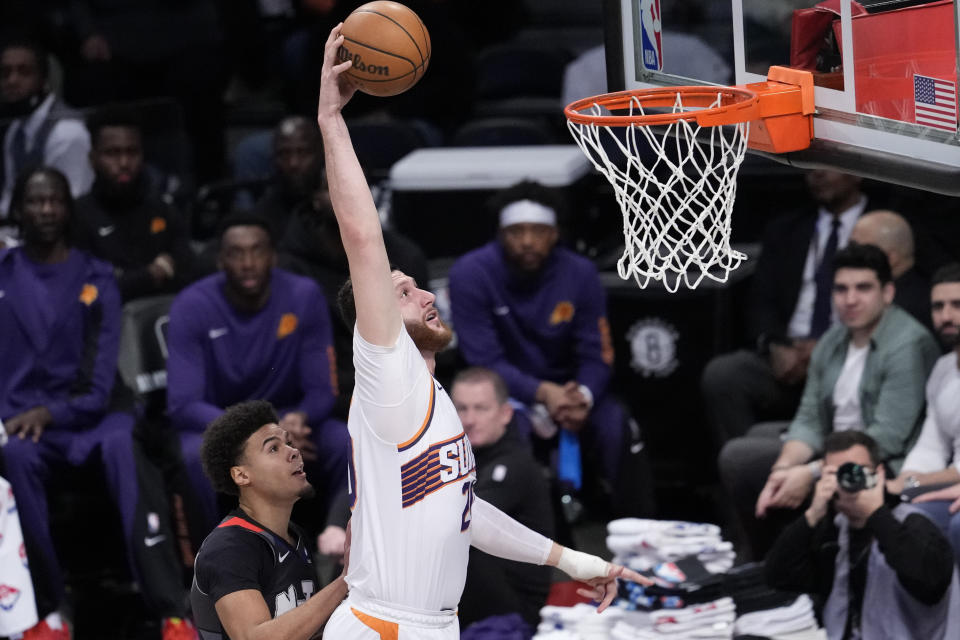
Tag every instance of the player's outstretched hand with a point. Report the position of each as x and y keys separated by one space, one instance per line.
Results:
x=335 y=89
x=604 y=589
x=600 y=575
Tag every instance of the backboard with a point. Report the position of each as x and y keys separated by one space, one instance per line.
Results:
x=886 y=72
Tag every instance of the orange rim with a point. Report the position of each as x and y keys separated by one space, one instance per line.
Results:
x=737 y=104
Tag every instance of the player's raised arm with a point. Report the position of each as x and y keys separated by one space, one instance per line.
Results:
x=378 y=319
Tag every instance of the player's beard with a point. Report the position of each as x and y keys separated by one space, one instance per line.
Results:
x=427 y=338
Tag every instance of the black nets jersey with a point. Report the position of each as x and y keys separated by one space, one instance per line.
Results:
x=243 y=554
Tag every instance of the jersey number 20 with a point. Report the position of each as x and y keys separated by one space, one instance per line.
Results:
x=467 y=491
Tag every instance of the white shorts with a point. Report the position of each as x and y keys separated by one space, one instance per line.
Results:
x=358 y=619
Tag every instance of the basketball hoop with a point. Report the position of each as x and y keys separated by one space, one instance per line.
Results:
x=674 y=168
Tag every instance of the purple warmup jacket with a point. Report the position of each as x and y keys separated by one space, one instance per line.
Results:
x=552 y=327
x=219 y=356
x=59 y=337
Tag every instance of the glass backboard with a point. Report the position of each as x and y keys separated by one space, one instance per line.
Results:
x=886 y=72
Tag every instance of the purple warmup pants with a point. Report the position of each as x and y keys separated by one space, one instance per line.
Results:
x=329 y=470
x=134 y=489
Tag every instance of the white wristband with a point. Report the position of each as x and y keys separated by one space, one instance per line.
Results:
x=582 y=566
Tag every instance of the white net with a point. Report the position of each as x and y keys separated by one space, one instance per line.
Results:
x=676 y=185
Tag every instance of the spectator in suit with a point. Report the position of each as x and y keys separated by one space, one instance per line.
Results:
x=867 y=373
x=63 y=406
x=42 y=129
x=122 y=222
x=891 y=232
x=789 y=310
x=536 y=314
x=253 y=331
x=509 y=478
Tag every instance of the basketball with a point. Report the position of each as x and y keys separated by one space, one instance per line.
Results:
x=389 y=47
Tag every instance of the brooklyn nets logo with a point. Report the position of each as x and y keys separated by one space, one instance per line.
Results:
x=653 y=347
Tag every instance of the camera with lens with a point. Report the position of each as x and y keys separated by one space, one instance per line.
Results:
x=853 y=477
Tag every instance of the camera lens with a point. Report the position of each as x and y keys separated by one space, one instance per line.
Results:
x=853 y=477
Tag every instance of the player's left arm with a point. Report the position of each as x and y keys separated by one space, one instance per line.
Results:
x=245 y=616
x=498 y=534
x=594 y=348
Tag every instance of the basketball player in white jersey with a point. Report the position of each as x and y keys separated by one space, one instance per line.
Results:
x=411 y=468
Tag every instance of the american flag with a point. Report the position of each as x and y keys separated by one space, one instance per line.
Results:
x=935 y=102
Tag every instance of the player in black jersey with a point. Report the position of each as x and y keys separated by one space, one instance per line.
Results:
x=253 y=577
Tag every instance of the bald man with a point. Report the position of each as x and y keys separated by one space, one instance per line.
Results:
x=298 y=169
x=889 y=231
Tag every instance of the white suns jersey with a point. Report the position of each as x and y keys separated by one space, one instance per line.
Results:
x=411 y=500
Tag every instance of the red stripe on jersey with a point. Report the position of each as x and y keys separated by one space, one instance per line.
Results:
x=239 y=522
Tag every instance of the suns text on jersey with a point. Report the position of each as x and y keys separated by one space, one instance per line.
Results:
x=442 y=463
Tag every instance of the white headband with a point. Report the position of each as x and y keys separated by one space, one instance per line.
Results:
x=527 y=211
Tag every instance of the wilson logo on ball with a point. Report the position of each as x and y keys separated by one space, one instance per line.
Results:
x=361 y=66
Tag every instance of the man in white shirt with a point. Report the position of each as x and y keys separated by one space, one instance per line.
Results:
x=411 y=470
x=789 y=309
x=867 y=373
x=42 y=129
x=935 y=458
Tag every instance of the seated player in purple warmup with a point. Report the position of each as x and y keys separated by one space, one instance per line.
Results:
x=59 y=401
x=536 y=314
x=254 y=332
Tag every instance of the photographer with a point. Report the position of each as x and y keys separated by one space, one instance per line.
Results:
x=882 y=569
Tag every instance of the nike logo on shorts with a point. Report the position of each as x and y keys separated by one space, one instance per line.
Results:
x=216 y=333
x=105 y=231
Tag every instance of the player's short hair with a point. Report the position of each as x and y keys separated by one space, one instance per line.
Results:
x=947 y=273
x=528 y=190
x=475 y=375
x=246 y=219
x=20 y=190
x=347 y=305
x=40 y=53
x=864 y=256
x=226 y=437
x=838 y=441
x=116 y=115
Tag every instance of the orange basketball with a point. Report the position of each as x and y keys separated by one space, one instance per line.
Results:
x=389 y=46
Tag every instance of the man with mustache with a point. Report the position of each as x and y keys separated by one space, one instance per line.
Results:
x=122 y=222
x=536 y=313
x=935 y=458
